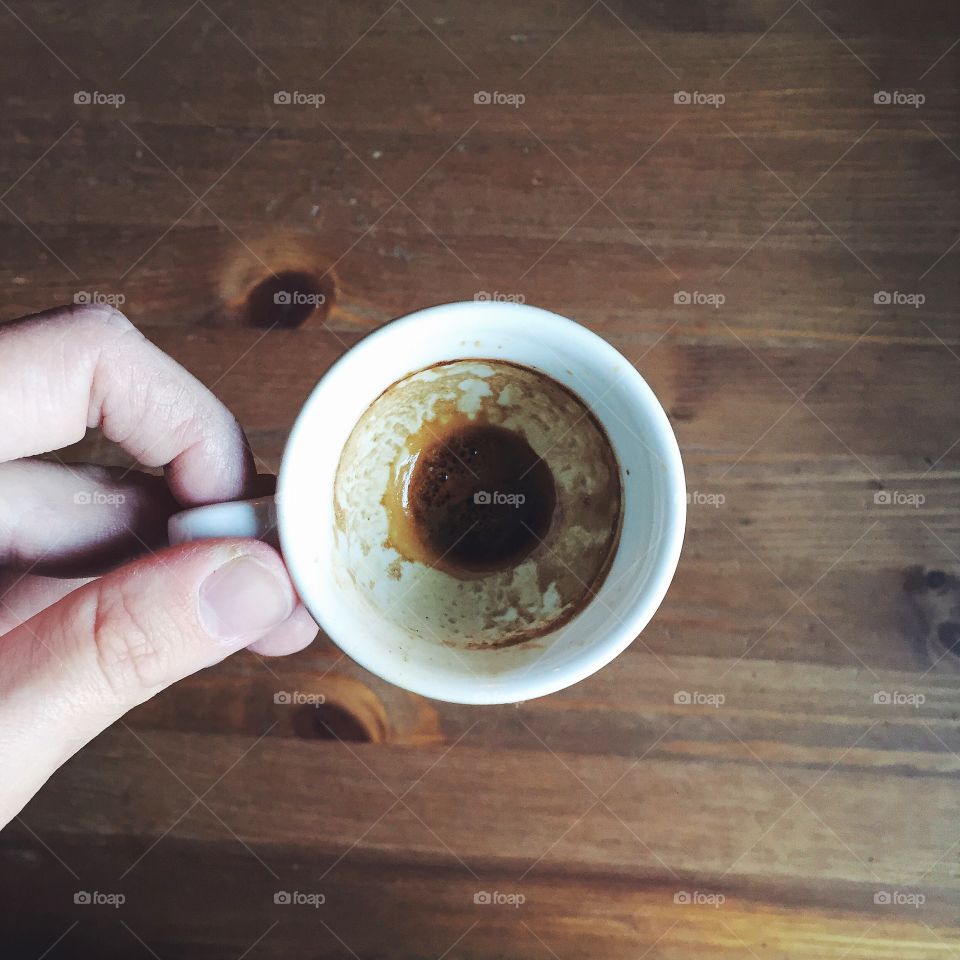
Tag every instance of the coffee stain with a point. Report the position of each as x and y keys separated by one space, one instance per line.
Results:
x=535 y=594
x=470 y=498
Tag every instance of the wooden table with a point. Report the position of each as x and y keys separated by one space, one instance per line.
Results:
x=759 y=259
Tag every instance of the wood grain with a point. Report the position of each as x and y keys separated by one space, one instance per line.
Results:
x=802 y=799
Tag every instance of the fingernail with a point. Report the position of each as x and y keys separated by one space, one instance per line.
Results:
x=243 y=599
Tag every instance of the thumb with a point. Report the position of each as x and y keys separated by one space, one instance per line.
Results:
x=73 y=669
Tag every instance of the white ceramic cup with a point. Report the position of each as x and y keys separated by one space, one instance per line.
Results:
x=302 y=515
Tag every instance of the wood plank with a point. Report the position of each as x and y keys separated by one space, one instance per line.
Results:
x=766 y=715
x=776 y=824
x=796 y=599
x=427 y=911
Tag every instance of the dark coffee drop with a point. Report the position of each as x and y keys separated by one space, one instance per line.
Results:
x=480 y=498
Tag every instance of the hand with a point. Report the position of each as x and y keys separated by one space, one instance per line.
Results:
x=77 y=653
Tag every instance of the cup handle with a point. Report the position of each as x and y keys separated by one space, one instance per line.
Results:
x=239 y=518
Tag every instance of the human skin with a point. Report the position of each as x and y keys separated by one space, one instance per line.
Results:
x=97 y=615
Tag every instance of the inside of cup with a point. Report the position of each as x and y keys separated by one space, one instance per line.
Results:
x=477 y=504
x=420 y=659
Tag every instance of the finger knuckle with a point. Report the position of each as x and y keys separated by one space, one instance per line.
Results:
x=104 y=332
x=103 y=319
x=130 y=652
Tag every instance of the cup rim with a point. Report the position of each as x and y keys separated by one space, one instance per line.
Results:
x=596 y=654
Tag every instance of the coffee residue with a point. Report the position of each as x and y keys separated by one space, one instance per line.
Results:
x=498 y=504
x=471 y=498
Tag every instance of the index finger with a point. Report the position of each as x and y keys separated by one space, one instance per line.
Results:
x=68 y=369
